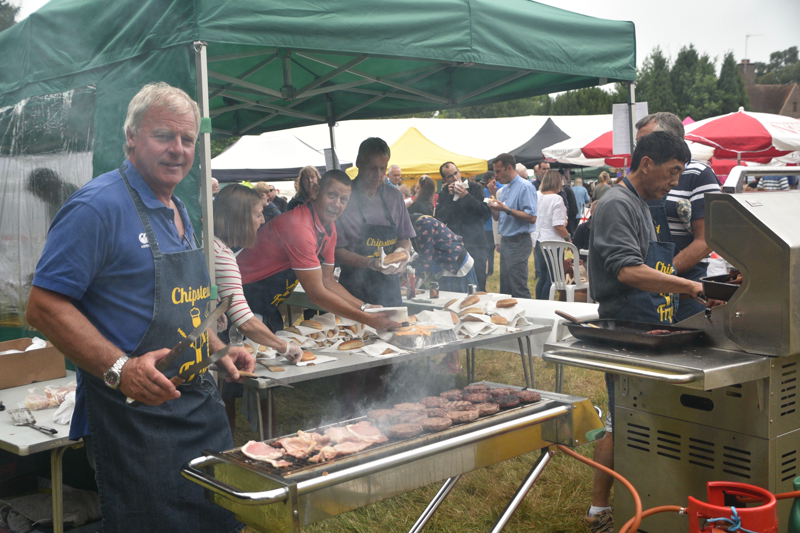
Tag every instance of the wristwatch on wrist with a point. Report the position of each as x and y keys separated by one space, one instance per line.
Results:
x=113 y=374
x=508 y=210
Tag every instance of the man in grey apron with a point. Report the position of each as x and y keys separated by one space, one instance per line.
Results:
x=630 y=271
x=376 y=217
x=121 y=280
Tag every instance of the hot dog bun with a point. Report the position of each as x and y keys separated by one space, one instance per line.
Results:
x=470 y=300
x=351 y=344
x=497 y=319
x=311 y=324
x=308 y=356
x=508 y=302
x=395 y=257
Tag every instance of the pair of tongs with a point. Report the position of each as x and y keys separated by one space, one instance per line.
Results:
x=703 y=299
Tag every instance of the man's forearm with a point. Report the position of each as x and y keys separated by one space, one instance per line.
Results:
x=55 y=316
x=691 y=255
x=648 y=279
x=348 y=258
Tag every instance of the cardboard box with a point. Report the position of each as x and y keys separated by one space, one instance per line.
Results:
x=28 y=367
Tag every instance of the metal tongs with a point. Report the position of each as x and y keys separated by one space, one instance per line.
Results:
x=703 y=299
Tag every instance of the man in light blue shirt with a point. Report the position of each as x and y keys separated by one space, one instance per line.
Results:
x=515 y=212
x=581 y=196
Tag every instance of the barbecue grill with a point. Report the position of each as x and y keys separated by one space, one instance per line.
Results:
x=723 y=408
x=284 y=500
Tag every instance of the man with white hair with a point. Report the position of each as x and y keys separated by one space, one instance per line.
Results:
x=394 y=176
x=522 y=171
x=214 y=187
x=121 y=279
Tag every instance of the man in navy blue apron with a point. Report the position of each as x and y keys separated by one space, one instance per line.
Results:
x=376 y=217
x=691 y=250
x=630 y=270
x=120 y=280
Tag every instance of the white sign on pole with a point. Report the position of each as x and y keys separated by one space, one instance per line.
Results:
x=331 y=161
x=622 y=124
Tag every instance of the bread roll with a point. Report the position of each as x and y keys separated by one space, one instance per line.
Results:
x=351 y=344
x=292 y=329
x=454 y=317
x=395 y=257
x=311 y=324
x=497 y=319
x=249 y=348
x=262 y=348
x=448 y=304
x=331 y=333
x=470 y=300
x=468 y=310
x=308 y=356
x=508 y=302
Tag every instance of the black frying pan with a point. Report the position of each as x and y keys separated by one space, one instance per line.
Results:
x=719 y=287
x=634 y=334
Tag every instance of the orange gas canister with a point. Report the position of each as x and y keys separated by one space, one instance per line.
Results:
x=717 y=517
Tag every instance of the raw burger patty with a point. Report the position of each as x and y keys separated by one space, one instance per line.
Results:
x=462 y=416
x=451 y=395
x=436 y=424
x=380 y=415
x=487 y=408
x=460 y=405
x=408 y=417
x=528 y=396
x=409 y=407
x=477 y=397
x=436 y=412
x=403 y=431
x=510 y=400
x=477 y=387
x=432 y=401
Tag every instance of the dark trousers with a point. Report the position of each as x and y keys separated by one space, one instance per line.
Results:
x=490 y=252
x=514 y=254
x=479 y=257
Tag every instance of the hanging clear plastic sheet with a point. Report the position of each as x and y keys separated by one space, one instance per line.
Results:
x=46 y=145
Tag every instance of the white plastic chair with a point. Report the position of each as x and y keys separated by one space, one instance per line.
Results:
x=553 y=252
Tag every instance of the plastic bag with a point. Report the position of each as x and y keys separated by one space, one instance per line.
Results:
x=49 y=397
x=64 y=413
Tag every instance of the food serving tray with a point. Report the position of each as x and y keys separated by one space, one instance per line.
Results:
x=719 y=287
x=630 y=333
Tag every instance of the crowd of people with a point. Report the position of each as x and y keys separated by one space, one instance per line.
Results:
x=122 y=278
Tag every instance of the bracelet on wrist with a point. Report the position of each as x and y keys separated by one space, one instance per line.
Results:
x=364 y=306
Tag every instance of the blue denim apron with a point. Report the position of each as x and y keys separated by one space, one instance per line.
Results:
x=365 y=284
x=688 y=306
x=139 y=451
x=644 y=306
x=265 y=295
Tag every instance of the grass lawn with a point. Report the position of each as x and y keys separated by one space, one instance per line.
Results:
x=554 y=504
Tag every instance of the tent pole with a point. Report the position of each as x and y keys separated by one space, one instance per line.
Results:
x=204 y=148
x=331 y=124
x=632 y=114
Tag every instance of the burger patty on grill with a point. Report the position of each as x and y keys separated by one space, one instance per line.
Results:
x=463 y=416
x=459 y=405
x=510 y=400
x=477 y=397
x=380 y=415
x=476 y=387
x=436 y=424
x=454 y=394
x=409 y=407
x=487 y=408
x=403 y=431
x=408 y=417
x=436 y=412
x=528 y=396
x=432 y=401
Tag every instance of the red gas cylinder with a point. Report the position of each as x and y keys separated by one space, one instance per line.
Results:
x=705 y=517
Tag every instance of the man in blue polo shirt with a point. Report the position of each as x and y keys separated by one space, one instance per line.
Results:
x=121 y=279
x=515 y=211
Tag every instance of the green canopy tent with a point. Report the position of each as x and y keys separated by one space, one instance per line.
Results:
x=261 y=65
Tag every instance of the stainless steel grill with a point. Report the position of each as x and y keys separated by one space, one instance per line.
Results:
x=273 y=501
x=724 y=409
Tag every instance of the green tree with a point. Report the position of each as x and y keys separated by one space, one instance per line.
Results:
x=682 y=76
x=783 y=67
x=220 y=145
x=731 y=86
x=704 y=96
x=534 y=105
x=588 y=101
x=653 y=83
x=8 y=14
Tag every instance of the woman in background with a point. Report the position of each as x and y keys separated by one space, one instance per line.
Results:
x=237 y=217
x=306 y=184
x=424 y=202
x=552 y=225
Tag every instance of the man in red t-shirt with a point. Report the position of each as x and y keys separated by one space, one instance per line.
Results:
x=298 y=246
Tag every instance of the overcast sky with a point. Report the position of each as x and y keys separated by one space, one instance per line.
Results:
x=715 y=27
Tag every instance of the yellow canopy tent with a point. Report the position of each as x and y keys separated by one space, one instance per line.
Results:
x=416 y=155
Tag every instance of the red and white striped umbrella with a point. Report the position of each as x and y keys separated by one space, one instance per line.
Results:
x=746 y=135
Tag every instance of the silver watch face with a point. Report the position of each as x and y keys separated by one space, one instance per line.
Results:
x=112 y=378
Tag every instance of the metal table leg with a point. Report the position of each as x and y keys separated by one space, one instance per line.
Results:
x=559 y=377
x=263 y=433
x=57 y=484
x=532 y=476
x=437 y=500
x=524 y=363
x=532 y=384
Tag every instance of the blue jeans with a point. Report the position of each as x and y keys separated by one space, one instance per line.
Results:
x=543 y=281
x=451 y=284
